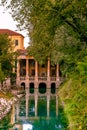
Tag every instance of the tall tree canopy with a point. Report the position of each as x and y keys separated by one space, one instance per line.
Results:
x=57 y=28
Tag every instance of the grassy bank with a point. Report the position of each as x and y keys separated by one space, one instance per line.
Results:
x=73 y=95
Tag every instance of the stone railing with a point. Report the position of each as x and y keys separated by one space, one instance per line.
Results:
x=42 y=78
x=53 y=79
x=22 y=78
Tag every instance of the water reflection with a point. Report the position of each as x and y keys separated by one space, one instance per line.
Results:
x=42 y=108
x=39 y=112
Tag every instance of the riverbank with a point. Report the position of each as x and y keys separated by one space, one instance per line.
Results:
x=7 y=99
x=5 y=107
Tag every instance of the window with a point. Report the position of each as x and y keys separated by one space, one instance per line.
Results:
x=33 y=72
x=43 y=66
x=32 y=62
x=16 y=42
x=53 y=72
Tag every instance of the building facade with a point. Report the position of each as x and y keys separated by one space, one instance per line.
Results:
x=16 y=38
x=30 y=74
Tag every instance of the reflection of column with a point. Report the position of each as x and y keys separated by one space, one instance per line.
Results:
x=13 y=114
x=17 y=110
x=36 y=70
x=27 y=70
x=36 y=104
x=57 y=72
x=27 y=100
x=48 y=105
x=56 y=105
x=48 y=69
x=36 y=98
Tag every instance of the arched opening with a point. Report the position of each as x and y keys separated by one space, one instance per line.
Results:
x=31 y=90
x=42 y=88
x=23 y=86
x=53 y=88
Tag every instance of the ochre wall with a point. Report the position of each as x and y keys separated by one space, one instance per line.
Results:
x=20 y=41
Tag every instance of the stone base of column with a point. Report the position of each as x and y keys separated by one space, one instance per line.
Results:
x=48 y=78
x=36 y=78
x=57 y=79
x=27 y=77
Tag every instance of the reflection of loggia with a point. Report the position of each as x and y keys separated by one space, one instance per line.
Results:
x=23 y=110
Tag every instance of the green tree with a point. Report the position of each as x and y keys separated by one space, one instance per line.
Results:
x=2 y=77
x=6 y=56
x=44 y=18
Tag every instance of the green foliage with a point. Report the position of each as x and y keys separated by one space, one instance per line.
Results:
x=57 y=29
x=74 y=96
x=2 y=77
x=44 y=18
x=5 y=122
x=82 y=67
x=13 y=77
x=6 y=56
x=62 y=117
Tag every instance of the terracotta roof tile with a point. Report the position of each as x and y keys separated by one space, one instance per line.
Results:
x=9 y=32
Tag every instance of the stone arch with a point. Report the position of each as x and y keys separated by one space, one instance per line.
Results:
x=23 y=85
x=53 y=88
x=31 y=88
x=42 y=88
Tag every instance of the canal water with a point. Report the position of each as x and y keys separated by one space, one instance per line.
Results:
x=38 y=112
